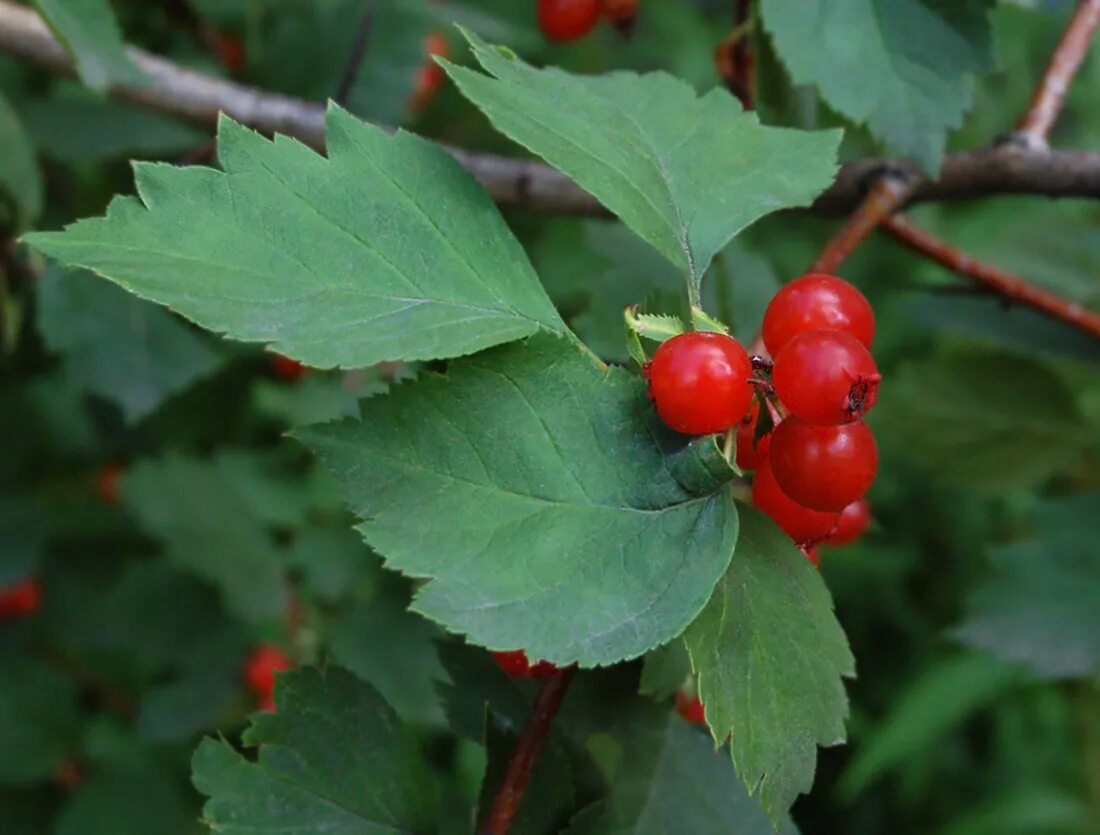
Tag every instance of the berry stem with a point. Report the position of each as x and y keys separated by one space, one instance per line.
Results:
x=1046 y=104
x=761 y=363
x=887 y=194
x=735 y=57
x=531 y=741
x=356 y=56
x=992 y=278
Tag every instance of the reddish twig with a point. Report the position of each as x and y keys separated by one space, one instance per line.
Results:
x=886 y=196
x=734 y=57
x=1034 y=127
x=531 y=741
x=996 y=280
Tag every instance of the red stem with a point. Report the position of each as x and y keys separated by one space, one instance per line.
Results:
x=886 y=196
x=531 y=741
x=998 y=281
x=743 y=83
x=1049 y=96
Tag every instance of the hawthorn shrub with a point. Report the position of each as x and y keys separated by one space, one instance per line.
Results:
x=546 y=465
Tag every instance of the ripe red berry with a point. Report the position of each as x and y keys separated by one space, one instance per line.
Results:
x=622 y=14
x=699 y=382
x=826 y=377
x=230 y=51
x=430 y=76
x=851 y=524
x=516 y=664
x=108 y=482
x=799 y=523
x=567 y=20
x=21 y=600
x=287 y=369
x=817 y=302
x=690 y=708
x=260 y=668
x=824 y=468
x=751 y=451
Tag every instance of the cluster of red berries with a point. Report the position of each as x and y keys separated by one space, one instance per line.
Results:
x=259 y=673
x=567 y=20
x=814 y=458
x=21 y=600
x=518 y=665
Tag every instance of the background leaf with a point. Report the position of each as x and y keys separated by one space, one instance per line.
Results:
x=386 y=250
x=90 y=33
x=1053 y=628
x=901 y=66
x=320 y=766
x=685 y=173
x=118 y=346
x=555 y=521
x=769 y=655
x=20 y=178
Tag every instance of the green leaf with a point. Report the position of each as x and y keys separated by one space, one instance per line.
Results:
x=769 y=655
x=665 y=670
x=20 y=177
x=900 y=66
x=89 y=32
x=38 y=720
x=1041 y=605
x=118 y=346
x=209 y=527
x=126 y=801
x=23 y=532
x=386 y=250
x=654 y=326
x=670 y=780
x=333 y=759
x=981 y=419
x=74 y=125
x=531 y=489
x=685 y=173
x=394 y=650
x=929 y=710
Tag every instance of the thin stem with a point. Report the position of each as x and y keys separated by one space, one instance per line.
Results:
x=992 y=278
x=888 y=193
x=356 y=57
x=530 y=745
x=735 y=58
x=1050 y=95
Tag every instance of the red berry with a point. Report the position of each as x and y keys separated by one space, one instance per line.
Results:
x=800 y=523
x=260 y=668
x=812 y=553
x=699 y=382
x=431 y=76
x=751 y=451
x=622 y=14
x=107 y=483
x=20 y=600
x=230 y=50
x=817 y=302
x=287 y=369
x=690 y=708
x=825 y=468
x=826 y=377
x=567 y=20
x=851 y=524
x=517 y=665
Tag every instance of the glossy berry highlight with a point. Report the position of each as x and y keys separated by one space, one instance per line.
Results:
x=567 y=20
x=826 y=377
x=517 y=665
x=699 y=382
x=817 y=302
x=851 y=525
x=824 y=468
x=800 y=523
